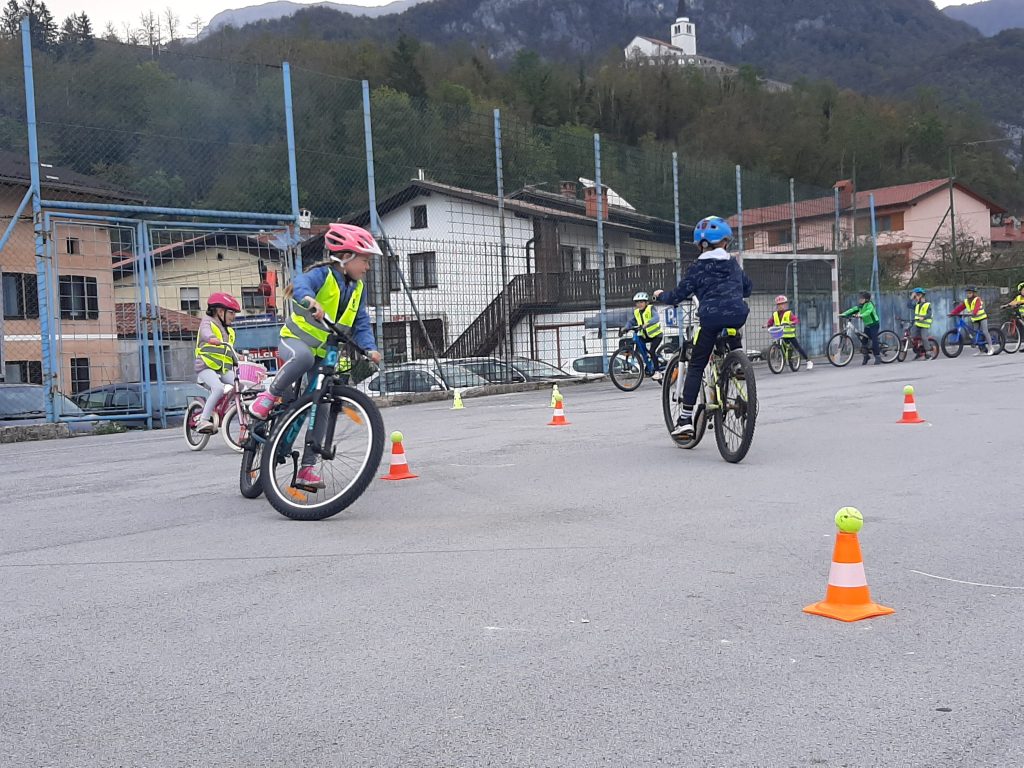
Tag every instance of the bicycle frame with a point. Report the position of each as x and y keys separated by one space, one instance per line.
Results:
x=641 y=347
x=965 y=333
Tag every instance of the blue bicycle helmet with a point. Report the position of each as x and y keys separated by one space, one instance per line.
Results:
x=711 y=230
x=918 y=290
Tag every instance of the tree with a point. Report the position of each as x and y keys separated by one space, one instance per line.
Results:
x=151 y=30
x=196 y=25
x=10 y=20
x=131 y=34
x=110 y=33
x=69 y=31
x=171 y=21
x=44 y=28
x=83 y=24
x=403 y=71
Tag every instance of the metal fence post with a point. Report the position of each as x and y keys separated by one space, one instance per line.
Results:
x=739 y=212
x=602 y=293
x=157 y=337
x=293 y=174
x=679 y=239
x=874 y=250
x=506 y=311
x=796 y=263
x=142 y=320
x=42 y=281
x=837 y=241
x=379 y=266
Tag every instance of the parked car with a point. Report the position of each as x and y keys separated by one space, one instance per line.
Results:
x=128 y=400
x=411 y=378
x=23 y=405
x=523 y=369
x=588 y=366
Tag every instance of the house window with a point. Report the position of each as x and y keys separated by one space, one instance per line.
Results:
x=79 y=374
x=72 y=246
x=620 y=259
x=394 y=279
x=568 y=255
x=24 y=372
x=253 y=300
x=780 y=237
x=423 y=267
x=79 y=298
x=645 y=260
x=419 y=217
x=189 y=299
x=395 y=345
x=584 y=258
x=891 y=222
x=420 y=348
x=21 y=302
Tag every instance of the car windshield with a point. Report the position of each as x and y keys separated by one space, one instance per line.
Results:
x=459 y=376
x=535 y=369
x=29 y=402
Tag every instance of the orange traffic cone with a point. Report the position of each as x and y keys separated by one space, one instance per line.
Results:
x=558 y=420
x=399 y=465
x=910 y=415
x=847 y=597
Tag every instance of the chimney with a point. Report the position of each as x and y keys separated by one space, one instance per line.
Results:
x=845 y=188
x=569 y=190
x=590 y=198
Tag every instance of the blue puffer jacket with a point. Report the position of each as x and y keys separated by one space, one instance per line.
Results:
x=721 y=286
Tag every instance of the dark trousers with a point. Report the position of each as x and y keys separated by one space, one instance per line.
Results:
x=652 y=350
x=872 y=334
x=699 y=355
x=796 y=345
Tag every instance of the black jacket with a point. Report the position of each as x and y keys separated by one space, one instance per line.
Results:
x=720 y=285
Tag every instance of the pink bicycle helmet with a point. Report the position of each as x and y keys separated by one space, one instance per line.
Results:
x=225 y=300
x=342 y=238
x=780 y=299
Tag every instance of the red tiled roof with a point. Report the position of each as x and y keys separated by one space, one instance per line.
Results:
x=172 y=324
x=885 y=197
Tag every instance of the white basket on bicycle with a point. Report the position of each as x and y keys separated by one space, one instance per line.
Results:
x=776 y=332
x=251 y=375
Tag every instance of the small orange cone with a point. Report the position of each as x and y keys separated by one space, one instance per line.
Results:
x=910 y=415
x=399 y=465
x=847 y=597
x=558 y=420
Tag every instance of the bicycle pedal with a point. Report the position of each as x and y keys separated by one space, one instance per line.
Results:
x=305 y=488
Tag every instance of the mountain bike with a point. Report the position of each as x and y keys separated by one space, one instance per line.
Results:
x=631 y=363
x=953 y=341
x=842 y=345
x=727 y=396
x=231 y=416
x=1012 y=330
x=930 y=345
x=333 y=425
x=782 y=351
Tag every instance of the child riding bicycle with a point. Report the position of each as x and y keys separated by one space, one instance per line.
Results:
x=648 y=324
x=785 y=318
x=867 y=312
x=721 y=286
x=922 y=322
x=974 y=307
x=215 y=363
x=333 y=289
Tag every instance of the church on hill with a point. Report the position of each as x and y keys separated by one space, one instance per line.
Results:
x=682 y=51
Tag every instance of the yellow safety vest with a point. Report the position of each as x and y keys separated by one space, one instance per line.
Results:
x=922 y=315
x=648 y=329
x=786 y=323
x=970 y=305
x=303 y=326
x=213 y=355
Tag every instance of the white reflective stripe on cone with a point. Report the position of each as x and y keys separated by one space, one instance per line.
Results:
x=847 y=575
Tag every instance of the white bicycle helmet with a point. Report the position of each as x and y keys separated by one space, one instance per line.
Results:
x=641 y=296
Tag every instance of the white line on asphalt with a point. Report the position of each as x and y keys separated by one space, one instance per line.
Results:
x=969 y=583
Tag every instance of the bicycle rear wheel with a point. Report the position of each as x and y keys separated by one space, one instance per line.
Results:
x=888 y=346
x=672 y=404
x=998 y=340
x=794 y=358
x=776 y=358
x=840 y=350
x=932 y=349
x=737 y=416
x=249 y=483
x=626 y=369
x=235 y=429
x=1011 y=336
x=353 y=444
x=195 y=441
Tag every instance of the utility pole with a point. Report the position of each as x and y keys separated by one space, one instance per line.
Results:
x=952 y=210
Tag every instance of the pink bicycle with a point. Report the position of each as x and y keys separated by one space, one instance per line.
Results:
x=231 y=416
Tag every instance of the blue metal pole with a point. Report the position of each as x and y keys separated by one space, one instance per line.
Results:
x=499 y=175
x=154 y=313
x=14 y=219
x=70 y=205
x=380 y=280
x=874 y=251
x=293 y=173
x=679 y=240
x=141 y=325
x=42 y=283
x=198 y=225
x=739 y=211
x=599 y=189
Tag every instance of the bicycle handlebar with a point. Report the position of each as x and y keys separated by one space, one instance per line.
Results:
x=337 y=330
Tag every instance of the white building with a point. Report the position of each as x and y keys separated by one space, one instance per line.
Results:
x=448 y=241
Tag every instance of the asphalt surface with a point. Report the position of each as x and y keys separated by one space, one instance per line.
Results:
x=583 y=596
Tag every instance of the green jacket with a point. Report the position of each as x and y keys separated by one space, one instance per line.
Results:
x=867 y=313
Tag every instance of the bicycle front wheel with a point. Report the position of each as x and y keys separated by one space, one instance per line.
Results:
x=736 y=416
x=350 y=453
x=840 y=350
x=195 y=441
x=794 y=359
x=888 y=346
x=904 y=350
x=952 y=344
x=249 y=483
x=1011 y=338
x=776 y=358
x=626 y=369
x=235 y=429
x=672 y=404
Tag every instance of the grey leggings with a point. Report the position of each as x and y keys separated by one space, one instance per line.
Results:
x=298 y=361
x=216 y=383
x=982 y=326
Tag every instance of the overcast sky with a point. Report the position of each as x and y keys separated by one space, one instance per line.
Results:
x=119 y=11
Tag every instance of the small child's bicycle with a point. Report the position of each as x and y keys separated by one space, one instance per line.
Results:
x=231 y=416
x=728 y=395
x=953 y=341
x=781 y=351
x=1013 y=330
x=631 y=363
x=930 y=346
x=843 y=345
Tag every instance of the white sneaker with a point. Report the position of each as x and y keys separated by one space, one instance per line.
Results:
x=810 y=366
x=657 y=376
x=991 y=351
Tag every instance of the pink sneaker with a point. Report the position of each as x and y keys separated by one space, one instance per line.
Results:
x=263 y=405
x=308 y=477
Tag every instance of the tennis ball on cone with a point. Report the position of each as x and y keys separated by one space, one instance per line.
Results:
x=849 y=520
x=397 y=437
